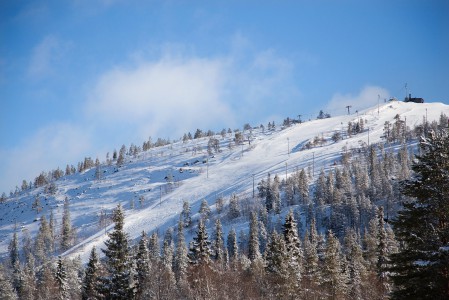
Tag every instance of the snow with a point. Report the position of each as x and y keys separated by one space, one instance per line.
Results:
x=224 y=173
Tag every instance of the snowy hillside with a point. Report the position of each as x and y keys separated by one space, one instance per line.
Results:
x=165 y=177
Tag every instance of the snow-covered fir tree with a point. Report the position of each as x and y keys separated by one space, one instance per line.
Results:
x=116 y=284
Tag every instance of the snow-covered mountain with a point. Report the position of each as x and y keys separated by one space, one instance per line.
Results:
x=165 y=177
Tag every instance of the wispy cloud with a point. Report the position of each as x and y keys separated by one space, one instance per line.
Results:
x=45 y=56
x=52 y=146
x=177 y=92
x=367 y=97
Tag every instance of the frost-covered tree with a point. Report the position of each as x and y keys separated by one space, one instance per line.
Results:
x=181 y=258
x=143 y=268
x=334 y=277
x=90 y=285
x=204 y=209
x=66 y=228
x=116 y=285
x=61 y=280
x=275 y=256
x=13 y=248
x=200 y=251
x=7 y=291
x=293 y=254
x=421 y=267
x=44 y=241
x=232 y=245
x=186 y=218
x=356 y=266
x=234 y=207
x=253 y=245
x=218 y=244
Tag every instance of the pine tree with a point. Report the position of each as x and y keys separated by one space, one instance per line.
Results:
x=204 y=209
x=253 y=247
x=181 y=259
x=333 y=273
x=187 y=219
x=293 y=255
x=6 y=289
x=153 y=248
x=356 y=265
x=267 y=190
x=421 y=267
x=143 y=269
x=61 y=280
x=91 y=278
x=218 y=245
x=233 y=248
x=117 y=260
x=382 y=251
x=66 y=229
x=320 y=189
x=234 y=207
x=14 y=249
x=276 y=195
x=311 y=278
x=44 y=242
x=275 y=256
x=200 y=249
x=304 y=187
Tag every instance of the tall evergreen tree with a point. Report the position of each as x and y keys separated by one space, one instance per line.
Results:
x=421 y=267
x=66 y=229
x=293 y=255
x=218 y=245
x=186 y=218
x=14 y=249
x=6 y=290
x=91 y=278
x=61 y=280
x=200 y=249
x=333 y=272
x=253 y=246
x=43 y=242
x=181 y=258
x=233 y=248
x=117 y=260
x=143 y=269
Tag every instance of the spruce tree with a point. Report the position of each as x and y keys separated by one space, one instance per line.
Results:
x=275 y=256
x=6 y=289
x=181 y=259
x=218 y=245
x=232 y=245
x=421 y=267
x=66 y=229
x=61 y=280
x=200 y=249
x=117 y=260
x=43 y=242
x=90 y=283
x=333 y=273
x=293 y=254
x=14 y=249
x=143 y=269
x=186 y=218
x=253 y=246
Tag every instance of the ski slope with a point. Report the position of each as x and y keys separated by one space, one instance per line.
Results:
x=205 y=177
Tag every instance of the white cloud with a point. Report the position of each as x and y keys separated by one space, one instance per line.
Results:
x=177 y=93
x=45 y=56
x=367 y=97
x=52 y=146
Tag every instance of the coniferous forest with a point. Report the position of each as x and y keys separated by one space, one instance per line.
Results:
x=374 y=227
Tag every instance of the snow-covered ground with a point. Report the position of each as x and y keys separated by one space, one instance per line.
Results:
x=205 y=177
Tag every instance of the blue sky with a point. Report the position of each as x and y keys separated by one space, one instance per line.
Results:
x=80 y=78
